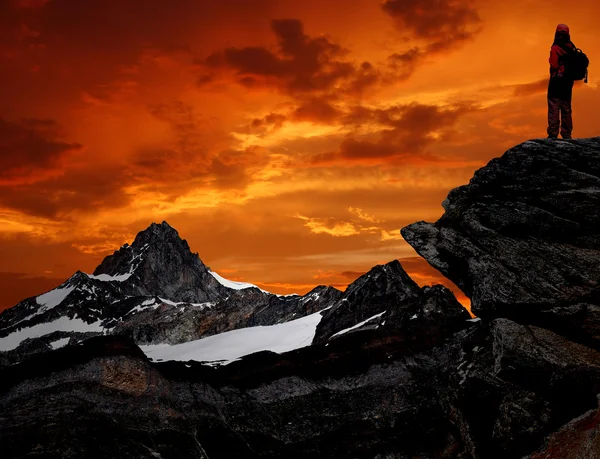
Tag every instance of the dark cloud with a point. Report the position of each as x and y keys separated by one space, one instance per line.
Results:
x=200 y=156
x=313 y=109
x=317 y=110
x=124 y=25
x=172 y=173
x=264 y=126
x=32 y=149
x=438 y=25
x=405 y=131
x=406 y=63
x=300 y=65
x=83 y=47
x=272 y=120
x=234 y=169
x=435 y=21
x=29 y=3
x=84 y=190
x=19 y=26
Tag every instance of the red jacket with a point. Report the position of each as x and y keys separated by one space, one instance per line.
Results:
x=557 y=63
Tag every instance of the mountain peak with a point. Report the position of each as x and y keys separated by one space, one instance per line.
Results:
x=156 y=232
x=153 y=239
x=159 y=262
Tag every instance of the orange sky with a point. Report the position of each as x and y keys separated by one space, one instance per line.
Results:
x=288 y=141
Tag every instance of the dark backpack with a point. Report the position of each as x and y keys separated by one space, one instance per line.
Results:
x=576 y=63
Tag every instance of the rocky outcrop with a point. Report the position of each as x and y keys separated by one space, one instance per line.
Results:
x=522 y=239
x=387 y=297
x=99 y=400
x=493 y=390
x=579 y=439
x=173 y=324
x=505 y=386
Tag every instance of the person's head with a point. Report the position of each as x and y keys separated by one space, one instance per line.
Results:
x=562 y=33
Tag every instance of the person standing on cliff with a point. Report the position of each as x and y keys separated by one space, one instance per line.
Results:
x=560 y=87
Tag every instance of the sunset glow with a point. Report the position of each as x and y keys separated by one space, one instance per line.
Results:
x=287 y=142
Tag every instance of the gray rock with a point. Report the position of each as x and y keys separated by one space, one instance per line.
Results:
x=578 y=439
x=506 y=386
x=523 y=237
x=493 y=390
x=162 y=264
x=387 y=298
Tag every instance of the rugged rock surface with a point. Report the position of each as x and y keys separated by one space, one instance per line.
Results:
x=99 y=400
x=248 y=307
x=505 y=386
x=579 y=439
x=522 y=239
x=160 y=263
x=387 y=297
x=493 y=390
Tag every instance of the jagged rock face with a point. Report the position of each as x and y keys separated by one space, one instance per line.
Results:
x=387 y=297
x=93 y=406
x=494 y=390
x=161 y=264
x=252 y=411
x=506 y=386
x=578 y=439
x=249 y=307
x=524 y=236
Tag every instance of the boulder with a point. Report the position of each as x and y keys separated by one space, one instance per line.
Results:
x=522 y=239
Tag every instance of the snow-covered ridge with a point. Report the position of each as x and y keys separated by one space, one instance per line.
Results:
x=233 y=284
x=229 y=346
x=107 y=278
x=12 y=341
x=47 y=301
x=354 y=327
x=242 y=285
x=122 y=277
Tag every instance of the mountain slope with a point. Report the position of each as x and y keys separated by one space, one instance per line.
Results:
x=155 y=291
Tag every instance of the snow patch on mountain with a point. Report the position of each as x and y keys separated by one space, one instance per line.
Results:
x=229 y=346
x=52 y=298
x=173 y=303
x=232 y=284
x=62 y=342
x=12 y=341
x=132 y=267
x=354 y=327
x=107 y=278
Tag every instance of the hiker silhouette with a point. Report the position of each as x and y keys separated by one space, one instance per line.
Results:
x=560 y=86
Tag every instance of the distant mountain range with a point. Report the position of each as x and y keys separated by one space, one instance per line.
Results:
x=159 y=293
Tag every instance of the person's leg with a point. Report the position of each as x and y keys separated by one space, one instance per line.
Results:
x=553 y=117
x=566 y=128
